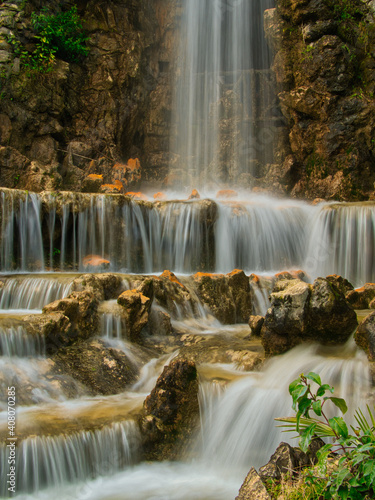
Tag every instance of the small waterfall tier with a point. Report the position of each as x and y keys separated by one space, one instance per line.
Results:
x=80 y=232
x=48 y=461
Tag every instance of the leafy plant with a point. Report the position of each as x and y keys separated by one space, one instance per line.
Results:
x=353 y=475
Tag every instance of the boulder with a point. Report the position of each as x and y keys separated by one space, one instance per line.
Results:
x=255 y=324
x=159 y=323
x=128 y=174
x=92 y=183
x=362 y=298
x=171 y=412
x=227 y=296
x=54 y=327
x=300 y=312
x=81 y=308
x=253 y=488
x=104 y=286
x=102 y=370
x=341 y=283
x=365 y=336
x=136 y=312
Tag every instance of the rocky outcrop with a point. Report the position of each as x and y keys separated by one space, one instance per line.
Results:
x=255 y=324
x=103 y=286
x=227 y=296
x=362 y=298
x=102 y=370
x=170 y=412
x=136 y=308
x=91 y=116
x=325 y=71
x=300 y=312
x=365 y=336
x=253 y=488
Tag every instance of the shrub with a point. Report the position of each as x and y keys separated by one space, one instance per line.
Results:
x=352 y=476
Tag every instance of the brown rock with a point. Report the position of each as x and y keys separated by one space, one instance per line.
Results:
x=253 y=488
x=365 y=336
x=226 y=194
x=160 y=196
x=159 y=323
x=95 y=262
x=137 y=196
x=103 y=370
x=129 y=175
x=340 y=283
x=194 y=195
x=255 y=324
x=136 y=312
x=361 y=298
x=170 y=412
x=92 y=183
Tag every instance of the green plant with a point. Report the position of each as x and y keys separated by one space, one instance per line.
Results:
x=353 y=475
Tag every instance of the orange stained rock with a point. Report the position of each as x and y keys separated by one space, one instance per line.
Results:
x=94 y=261
x=298 y=274
x=160 y=196
x=116 y=187
x=133 y=164
x=194 y=195
x=210 y=275
x=255 y=278
x=283 y=275
x=169 y=275
x=235 y=271
x=226 y=193
x=137 y=196
x=95 y=177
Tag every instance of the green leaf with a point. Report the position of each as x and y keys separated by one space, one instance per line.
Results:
x=339 y=426
x=314 y=377
x=340 y=403
x=306 y=437
x=293 y=385
x=303 y=405
x=323 y=388
x=317 y=407
x=298 y=393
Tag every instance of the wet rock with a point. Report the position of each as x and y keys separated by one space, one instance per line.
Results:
x=365 y=336
x=255 y=324
x=341 y=284
x=194 y=195
x=362 y=298
x=159 y=323
x=136 y=312
x=114 y=188
x=300 y=312
x=82 y=310
x=54 y=327
x=102 y=370
x=160 y=196
x=104 y=286
x=170 y=412
x=137 y=196
x=226 y=194
x=227 y=296
x=253 y=488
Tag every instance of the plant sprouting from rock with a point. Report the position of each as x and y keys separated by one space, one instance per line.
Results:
x=350 y=457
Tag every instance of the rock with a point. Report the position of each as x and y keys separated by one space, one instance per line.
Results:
x=92 y=183
x=104 y=286
x=129 y=175
x=362 y=298
x=95 y=263
x=227 y=296
x=160 y=196
x=255 y=324
x=137 y=196
x=136 y=312
x=365 y=336
x=194 y=195
x=159 y=323
x=82 y=310
x=300 y=312
x=114 y=188
x=171 y=412
x=103 y=370
x=340 y=283
x=55 y=328
x=253 y=488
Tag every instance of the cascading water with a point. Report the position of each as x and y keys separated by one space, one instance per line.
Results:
x=224 y=92
x=257 y=234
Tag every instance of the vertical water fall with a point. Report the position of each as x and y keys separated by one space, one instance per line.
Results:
x=224 y=93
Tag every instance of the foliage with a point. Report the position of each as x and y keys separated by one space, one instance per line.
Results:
x=353 y=475
x=59 y=35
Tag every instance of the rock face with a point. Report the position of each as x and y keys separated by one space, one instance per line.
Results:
x=101 y=369
x=106 y=115
x=136 y=312
x=253 y=488
x=300 y=312
x=365 y=336
x=170 y=412
x=227 y=296
x=325 y=72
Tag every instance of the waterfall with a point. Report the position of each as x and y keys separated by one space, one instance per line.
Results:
x=24 y=294
x=44 y=461
x=224 y=92
x=243 y=432
x=16 y=342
